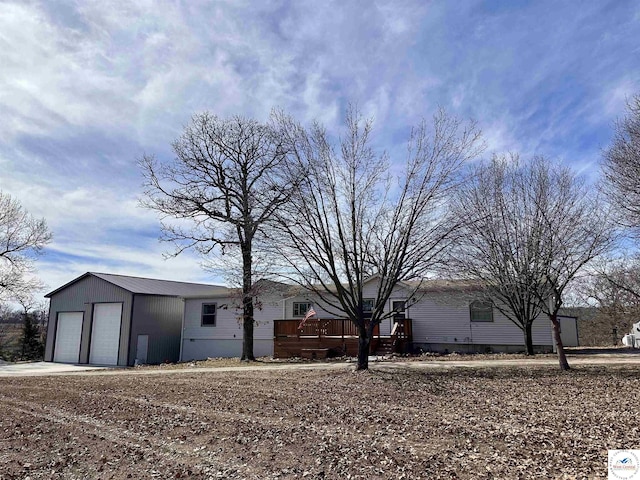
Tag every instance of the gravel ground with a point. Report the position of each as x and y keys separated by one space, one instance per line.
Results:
x=508 y=422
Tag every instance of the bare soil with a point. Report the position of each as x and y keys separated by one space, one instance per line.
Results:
x=508 y=422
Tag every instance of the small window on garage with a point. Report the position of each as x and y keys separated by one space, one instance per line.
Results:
x=481 y=311
x=300 y=309
x=208 y=314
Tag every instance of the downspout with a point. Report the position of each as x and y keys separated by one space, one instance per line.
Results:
x=53 y=337
x=182 y=330
x=133 y=300
x=470 y=342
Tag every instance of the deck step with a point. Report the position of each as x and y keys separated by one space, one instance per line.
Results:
x=385 y=347
x=314 y=353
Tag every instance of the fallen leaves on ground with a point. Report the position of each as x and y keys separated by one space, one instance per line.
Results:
x=512 y=422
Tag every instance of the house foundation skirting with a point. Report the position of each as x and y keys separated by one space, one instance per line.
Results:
x=477 y=348
x=201 y=349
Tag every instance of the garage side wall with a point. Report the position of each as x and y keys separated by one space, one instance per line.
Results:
x=569 y=331
x=80 y=297
x=161 y=319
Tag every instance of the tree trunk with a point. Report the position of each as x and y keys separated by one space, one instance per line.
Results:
x=24 y=336
x=364 y=341
x=247 y=306
x=528 y=338
x=562 y=358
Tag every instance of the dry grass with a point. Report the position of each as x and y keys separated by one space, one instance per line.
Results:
x=434 y=357
x=466 y=423
x=10 y=340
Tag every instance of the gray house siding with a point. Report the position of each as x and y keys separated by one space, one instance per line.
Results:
x=224 y=339
x=81 y=297
x=441 y=321
x=160 y=318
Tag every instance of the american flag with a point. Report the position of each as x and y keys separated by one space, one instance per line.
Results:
x=308 y=315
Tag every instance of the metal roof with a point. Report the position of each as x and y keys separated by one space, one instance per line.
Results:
x=152 y=286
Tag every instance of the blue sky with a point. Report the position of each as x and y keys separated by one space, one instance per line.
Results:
x=87 y=87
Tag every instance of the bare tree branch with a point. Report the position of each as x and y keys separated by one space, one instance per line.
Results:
x=22 y=238
x=351 y=219
x=621 y=166
x=530 y=229
x=227 y=181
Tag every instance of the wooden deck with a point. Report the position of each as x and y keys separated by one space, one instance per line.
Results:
x=319 y=338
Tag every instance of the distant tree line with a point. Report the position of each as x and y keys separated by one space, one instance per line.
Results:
x=22 y=333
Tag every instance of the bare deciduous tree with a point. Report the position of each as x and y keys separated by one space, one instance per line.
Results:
x=531 y=229
x=356 y=215
x=493 y=242
x=621 y=165
x=225 y=184
x=22 y=238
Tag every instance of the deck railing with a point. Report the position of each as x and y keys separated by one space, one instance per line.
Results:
x=332 y=337
x=403 y=328
x=333 y=327
x=402 y=331
x=329 y=327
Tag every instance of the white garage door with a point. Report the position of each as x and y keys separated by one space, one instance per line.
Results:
x=105 y=333
x=68 y=333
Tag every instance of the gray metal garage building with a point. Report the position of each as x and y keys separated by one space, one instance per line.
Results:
x=106 y=319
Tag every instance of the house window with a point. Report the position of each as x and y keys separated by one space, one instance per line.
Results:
x=367 y=306
x=481 y=311
x=300 y=309
x=208 y=314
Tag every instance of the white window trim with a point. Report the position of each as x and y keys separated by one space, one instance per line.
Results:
x=297 y=315
x=215 y=315
x=484 y=308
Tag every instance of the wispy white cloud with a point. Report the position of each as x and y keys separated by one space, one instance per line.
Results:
x=143 y=259
x=52 y=79
x=87 y=87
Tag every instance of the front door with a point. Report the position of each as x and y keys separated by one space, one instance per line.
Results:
x=398 y=306
x=142 y=347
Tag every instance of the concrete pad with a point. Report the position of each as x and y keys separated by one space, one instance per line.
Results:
x=29 y=369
